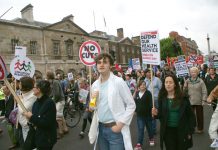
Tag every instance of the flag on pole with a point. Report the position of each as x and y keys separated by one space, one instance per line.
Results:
x=94 y=19
x=105 y=22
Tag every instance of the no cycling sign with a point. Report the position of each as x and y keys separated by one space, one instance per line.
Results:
x=88 y=51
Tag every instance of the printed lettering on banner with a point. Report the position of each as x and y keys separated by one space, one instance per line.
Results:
x=88 y=51
x=21 y=67
x=20 y=51
x=136 y=64
x=181 y=69
x=150 y=48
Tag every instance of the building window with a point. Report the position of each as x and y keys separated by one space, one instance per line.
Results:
x=123 y=50
x=33 y=45
x=127 y=49
x=56 y=47
x=14 y=42
x=124 y=59
x=114 y=48
x=69 y=47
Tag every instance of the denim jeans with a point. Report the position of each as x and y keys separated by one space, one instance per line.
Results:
x=141 y=123
x=109 y=140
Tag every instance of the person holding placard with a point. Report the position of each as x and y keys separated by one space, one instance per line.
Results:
x=27 y=98
x=177 y=120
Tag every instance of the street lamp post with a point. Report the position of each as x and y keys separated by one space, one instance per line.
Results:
x=208 y=44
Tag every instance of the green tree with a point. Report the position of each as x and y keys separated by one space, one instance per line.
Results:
x=169 y=47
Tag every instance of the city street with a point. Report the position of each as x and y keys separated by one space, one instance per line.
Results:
x=72 y=141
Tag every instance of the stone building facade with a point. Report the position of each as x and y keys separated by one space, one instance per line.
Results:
x=56 y=46
x=120 y=47
x=187 y=45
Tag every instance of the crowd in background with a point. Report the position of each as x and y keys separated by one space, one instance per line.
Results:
x=45 y=97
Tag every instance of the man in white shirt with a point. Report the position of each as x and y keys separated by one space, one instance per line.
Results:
x=114 y=110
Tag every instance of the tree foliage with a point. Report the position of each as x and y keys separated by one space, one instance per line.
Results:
x=169 y=47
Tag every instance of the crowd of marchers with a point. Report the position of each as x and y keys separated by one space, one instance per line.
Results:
x=154 y=95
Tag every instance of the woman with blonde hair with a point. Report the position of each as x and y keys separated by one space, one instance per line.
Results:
x=197 y=92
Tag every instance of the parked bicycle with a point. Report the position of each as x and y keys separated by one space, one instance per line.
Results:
x=72 y=110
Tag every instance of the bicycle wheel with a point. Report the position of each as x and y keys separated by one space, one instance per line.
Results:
x=71 y=115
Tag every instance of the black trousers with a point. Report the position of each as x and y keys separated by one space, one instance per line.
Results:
x=171 y=139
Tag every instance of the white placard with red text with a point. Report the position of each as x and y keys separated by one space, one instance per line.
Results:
x=150 y=47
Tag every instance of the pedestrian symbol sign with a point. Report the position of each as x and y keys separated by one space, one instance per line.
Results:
x=22 y=66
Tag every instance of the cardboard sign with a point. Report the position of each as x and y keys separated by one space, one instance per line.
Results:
x=70 y=76
x=150 y=48
x=181 y=69
x=21 y=67
x=136 y=64
x=83 y=94
x=194 y=59
x=88 y=51
x=20 y=51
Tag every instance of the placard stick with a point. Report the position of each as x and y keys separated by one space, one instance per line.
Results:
x=90 y=81
x=152 y=89
x=15 y=95
x=15 y=85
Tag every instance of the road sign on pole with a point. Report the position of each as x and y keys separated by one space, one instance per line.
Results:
x=2 y=69
x=88 y=51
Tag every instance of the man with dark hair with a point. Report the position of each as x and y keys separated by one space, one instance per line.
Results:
x=114 y=110
x=166 y=71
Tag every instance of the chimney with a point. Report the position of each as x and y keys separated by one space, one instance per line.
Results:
x=27 y=13
x=70 y=17
x=120 y=33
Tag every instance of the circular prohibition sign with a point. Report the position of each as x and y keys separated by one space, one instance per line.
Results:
x=2 y=69
x=88 y=51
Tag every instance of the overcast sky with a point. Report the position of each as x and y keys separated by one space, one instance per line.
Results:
x=134 y=16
